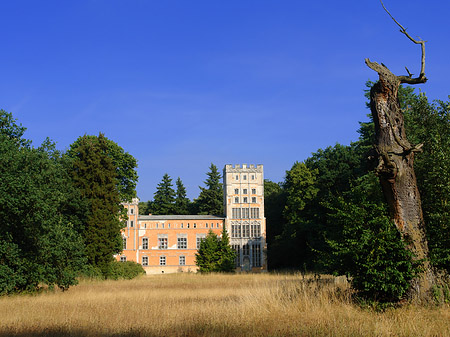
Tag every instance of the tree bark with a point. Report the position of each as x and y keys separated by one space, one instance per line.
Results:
x=396 y=172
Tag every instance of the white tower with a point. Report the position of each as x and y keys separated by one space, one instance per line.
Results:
x=244 y=215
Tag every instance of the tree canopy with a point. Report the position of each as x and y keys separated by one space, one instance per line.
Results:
x=215 y=254
x=95 y=176
x=210 y=200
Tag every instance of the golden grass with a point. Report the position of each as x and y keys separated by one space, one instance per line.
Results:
x=212 y=305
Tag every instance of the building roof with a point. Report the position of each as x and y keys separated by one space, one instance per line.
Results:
x=179 y=217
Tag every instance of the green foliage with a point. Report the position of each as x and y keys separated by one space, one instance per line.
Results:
x=182 y=203
x=274 y=204
x=367 y=247
x=300 y=188
x=124 y=270
x=12 y=132
x=38 y=243
x=125 y=164
x=164 y=199
x=210 y=200
x=94 y=175
x=115 y=271
x=215 y=254
x=429 y=124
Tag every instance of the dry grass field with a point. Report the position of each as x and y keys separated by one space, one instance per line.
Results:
x=212 y=305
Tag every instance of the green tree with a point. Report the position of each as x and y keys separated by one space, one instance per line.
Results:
x=366 y=246
x=125 y=165
x=215 y=254
x=164 y=199
x=210 y=200
x=95 y=176
x=293 y=247
x=274 y=204
x=182 y=203
x=429 y=124
x=38 y=244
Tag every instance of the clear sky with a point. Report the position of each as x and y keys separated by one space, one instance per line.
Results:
x=182 y=84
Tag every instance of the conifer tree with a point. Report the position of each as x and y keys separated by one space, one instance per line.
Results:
x=95 y=176
x=181 y=201
x=215 y=254
x=210 y=200
x=164 y=200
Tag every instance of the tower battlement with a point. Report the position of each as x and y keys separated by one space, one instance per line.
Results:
x=242 y=168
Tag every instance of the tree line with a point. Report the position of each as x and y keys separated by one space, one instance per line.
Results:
x=329 y=214
x=60 y=212
x=168 y=200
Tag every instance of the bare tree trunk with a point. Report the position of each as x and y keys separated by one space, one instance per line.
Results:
x=396 y=164
x=396 y=172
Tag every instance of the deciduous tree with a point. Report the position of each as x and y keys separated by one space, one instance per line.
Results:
x=95 y=176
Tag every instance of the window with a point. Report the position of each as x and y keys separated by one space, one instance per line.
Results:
x=145 y=260
x=236 y=213
x=144 y=243
x=237 y=249
x=162 y=260
x=123 y=259
x=181 y=226
x=182 y=243
x=162 y=226
x=131 y=211
x=195 y=225
x=245 y=250
x=244 y=177
x=188 y=225
x=245 y=200
x=256 y=255
x=124 y=243
x=131 y=223
x=253 y=177
x=200 y=237
x=217 y=225
x=245 y=230
x=254 y=212
x=236 y=191
x=182 y=260
x=236 y=231
x=244 y=191
x=157 y=225
x=253 y=190
x=237 y=177
x=255 y=230
x=144 y=225
x=162 y=243
x=168 y=225
x=254 y=200
x=245 y=213
x=206 y=225
x=236 y=200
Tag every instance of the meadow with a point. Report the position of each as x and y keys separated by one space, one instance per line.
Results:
x=213 y=305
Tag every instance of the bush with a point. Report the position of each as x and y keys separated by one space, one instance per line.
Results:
x=124 y=270
x=115 y=271
x=367 y=247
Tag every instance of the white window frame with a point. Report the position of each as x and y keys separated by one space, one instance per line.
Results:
x=145 y=260
x=182 y=260
x=162 y=260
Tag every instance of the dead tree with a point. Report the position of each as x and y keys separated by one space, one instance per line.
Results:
x=395 y=163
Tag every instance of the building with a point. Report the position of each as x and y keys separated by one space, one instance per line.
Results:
x=168 y=243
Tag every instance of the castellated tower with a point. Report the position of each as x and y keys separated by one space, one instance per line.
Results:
x=244 y=215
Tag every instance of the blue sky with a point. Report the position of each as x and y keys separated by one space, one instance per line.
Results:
x=182 y=84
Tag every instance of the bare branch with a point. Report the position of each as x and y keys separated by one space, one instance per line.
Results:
x=404 y=79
